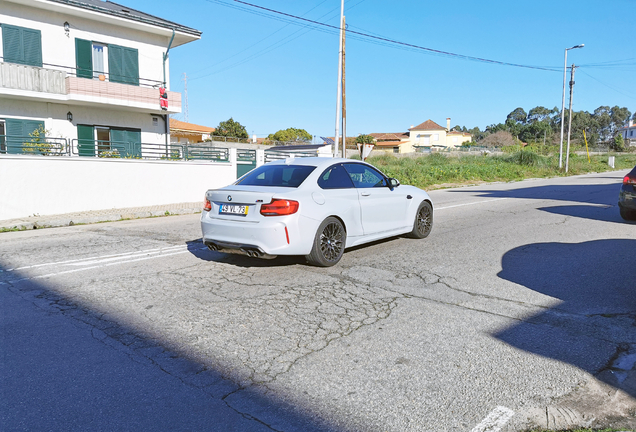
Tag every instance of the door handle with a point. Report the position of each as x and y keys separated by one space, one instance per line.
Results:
x=365 y=193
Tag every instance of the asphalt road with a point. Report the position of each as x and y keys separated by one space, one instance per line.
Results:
x=521 y=295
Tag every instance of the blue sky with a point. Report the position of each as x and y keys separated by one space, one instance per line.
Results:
x=271 y=75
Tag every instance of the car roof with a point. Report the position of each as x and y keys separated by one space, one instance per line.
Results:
x=312 y=161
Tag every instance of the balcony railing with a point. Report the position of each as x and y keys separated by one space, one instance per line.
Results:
x=31 y=78
x=62 y=82
x=49 y=146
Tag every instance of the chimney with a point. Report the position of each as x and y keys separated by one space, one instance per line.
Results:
x=447 y=123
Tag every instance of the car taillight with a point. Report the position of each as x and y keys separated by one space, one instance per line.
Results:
x=207 y=205
x=629 y=180
x=279 y=207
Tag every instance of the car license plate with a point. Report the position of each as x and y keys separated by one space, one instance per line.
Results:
x=233 y=209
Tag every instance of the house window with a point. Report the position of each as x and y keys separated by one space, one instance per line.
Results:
x=119 y=64
x=99 y=62
x=155 y=121
x=435 y=137
x=396 y=149
x=22 y=45
x=631 y=133
x=454 y=139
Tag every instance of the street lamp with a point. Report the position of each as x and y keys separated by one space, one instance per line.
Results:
x=565 y=66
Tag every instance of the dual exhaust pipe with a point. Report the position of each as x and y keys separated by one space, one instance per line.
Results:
x=250 y=252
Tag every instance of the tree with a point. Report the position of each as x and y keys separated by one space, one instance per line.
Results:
x=539 y=114
x=603 y=121
x=230 y=128
x=365 y=139
x=619 y=117
x=518 y=116
x=290 y=135
x=619 y=144
x=498 y=139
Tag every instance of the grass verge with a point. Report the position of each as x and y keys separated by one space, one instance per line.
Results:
x=438 y=171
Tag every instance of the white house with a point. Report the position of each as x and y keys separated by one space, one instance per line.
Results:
x=88 y=72
x=629 y=133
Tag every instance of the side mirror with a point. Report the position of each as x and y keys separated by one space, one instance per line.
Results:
x=393 y=183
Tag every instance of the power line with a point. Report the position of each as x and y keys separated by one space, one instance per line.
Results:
x=387 y=40
x=609 y=86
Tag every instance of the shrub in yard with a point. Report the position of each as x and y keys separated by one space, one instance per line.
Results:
x=527 y=158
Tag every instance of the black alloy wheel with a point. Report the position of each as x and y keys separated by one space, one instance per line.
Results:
x=329 y=243
x=423 y=223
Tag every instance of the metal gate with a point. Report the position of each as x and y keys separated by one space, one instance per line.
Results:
x=245 y=161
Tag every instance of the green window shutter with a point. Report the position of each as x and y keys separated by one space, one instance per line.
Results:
x=131 y=66
x=134 y=138
x=12 y=44
x=84 y=58
x=32 y=40
x=22 y=45
x=15 y=135
x=126 y=141
x=115 y=64
x=18 y=133
x=85 y=140
x=123 y=64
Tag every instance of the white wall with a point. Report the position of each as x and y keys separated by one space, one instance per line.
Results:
x=47 y=185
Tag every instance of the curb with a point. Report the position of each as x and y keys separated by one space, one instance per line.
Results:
x=97 y=216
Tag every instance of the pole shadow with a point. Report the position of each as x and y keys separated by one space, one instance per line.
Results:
x=64 y=366
x=596 y=202
x=594 y=322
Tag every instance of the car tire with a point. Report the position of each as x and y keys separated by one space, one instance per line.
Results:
x=628 y=215
x=423 y=223
x=329 y=243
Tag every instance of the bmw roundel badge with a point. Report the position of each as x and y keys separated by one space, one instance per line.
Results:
x=229 y=197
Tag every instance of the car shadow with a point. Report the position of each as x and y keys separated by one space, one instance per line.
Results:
x=65 y=366
x=594 y=282
x=199 y=250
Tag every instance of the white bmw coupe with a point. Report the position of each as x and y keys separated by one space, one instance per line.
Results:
x=315 y=207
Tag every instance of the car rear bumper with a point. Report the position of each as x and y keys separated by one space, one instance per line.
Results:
x=285 y=235
x=627 y=197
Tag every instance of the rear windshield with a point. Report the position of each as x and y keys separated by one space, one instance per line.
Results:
x=277 y=175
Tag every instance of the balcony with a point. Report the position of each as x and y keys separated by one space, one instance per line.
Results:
x=54 y=85
x=30 y=81
x=84 y=91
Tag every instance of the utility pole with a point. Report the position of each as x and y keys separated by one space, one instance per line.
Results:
x=344 y=92
x=565 y=64
x=185 y=111
x=567 y=155
x=339 y=99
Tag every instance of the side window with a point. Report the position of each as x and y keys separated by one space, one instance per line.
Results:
x=22 y=45
x=335 y=177
x=364 y=176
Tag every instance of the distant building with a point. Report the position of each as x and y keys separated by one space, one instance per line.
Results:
x=427 y=135
x=629 y=133
x=188 y=133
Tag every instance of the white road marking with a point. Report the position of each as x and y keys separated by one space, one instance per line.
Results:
x=115 y=256
x=101 y=261
x=495 y=420
x=471 y=203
